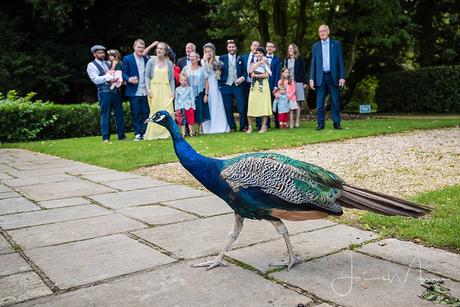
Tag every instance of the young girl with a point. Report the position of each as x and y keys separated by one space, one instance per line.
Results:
x=184 y=102
x=115 y=70
x=289 y=84
x=282 y=105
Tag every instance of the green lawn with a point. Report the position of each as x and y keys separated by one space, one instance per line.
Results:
x=130 y=155
x=440 y=229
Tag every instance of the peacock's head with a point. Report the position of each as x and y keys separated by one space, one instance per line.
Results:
x=161 y=117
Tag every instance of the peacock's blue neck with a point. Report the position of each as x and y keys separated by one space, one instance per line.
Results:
x=205 y=170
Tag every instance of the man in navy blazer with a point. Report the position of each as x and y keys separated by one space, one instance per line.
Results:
x=233 y=75
x=133 y=69
x=275 y=67
x=327 y=75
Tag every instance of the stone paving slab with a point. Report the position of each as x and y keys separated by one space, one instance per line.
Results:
x=75 y=230
x=37 y=180
x=5 y=247
x=4 y=188
x=354 y=279
x=146 y=196
x=3 y=175
x=83 y=262
x=431 y=259
x=181 y=285
x=50 y=216
x=41 y=164
x=12 y=264
x=207 y=236
x=306 y=245
x=64 y=189
x=38 y=172
x=65 y=202
x=20 y=287
x=156 y=215
x=9 y=195
x=109 y=176
x=12 y=205
x=135 y=183
x=203 y=206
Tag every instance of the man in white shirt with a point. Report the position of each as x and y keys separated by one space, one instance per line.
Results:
x=108 y=98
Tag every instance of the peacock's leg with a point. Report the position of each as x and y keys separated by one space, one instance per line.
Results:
x=282 y=230
x=219 y=260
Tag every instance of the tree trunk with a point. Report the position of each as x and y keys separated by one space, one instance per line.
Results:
x=352 y=60
x=262 y=15
x=426 y=10
x=301 y=24
x=280 y=23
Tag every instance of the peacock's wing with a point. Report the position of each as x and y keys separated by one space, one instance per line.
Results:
x=294 y=181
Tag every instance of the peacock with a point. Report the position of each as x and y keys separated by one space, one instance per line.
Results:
x=274 y=187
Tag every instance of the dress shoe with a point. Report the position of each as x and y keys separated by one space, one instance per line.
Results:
x=319 y=128
x=338 y=127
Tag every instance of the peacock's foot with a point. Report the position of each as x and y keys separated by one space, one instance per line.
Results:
x=286 y=263
x=210 y=264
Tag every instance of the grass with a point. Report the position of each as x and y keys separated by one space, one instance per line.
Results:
x=440 y=229
x=130 y=155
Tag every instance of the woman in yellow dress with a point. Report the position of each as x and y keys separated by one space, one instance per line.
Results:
x=159 y=79
x=259 y=101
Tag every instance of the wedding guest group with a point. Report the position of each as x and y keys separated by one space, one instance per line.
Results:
x=204 y=88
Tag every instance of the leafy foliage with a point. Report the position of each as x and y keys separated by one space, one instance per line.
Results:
x=426 y=90
x=24 y=119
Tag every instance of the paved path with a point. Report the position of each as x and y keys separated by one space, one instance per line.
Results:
x=73 y=234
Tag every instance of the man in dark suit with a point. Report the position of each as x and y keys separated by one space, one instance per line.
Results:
x=275 y=67
x=133 y=69
x=327 y=75
x=184 y=61
x=232 y=79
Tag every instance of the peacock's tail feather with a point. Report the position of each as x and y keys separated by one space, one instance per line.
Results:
x=363 y=199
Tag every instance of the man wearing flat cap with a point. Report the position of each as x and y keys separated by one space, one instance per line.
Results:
x=109 y=99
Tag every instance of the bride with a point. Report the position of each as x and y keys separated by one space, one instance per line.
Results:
x=218 y=122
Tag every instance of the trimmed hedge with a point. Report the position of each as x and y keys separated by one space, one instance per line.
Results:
x=22 y=119
x=426 y=90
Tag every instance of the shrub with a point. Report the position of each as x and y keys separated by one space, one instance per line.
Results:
x=22 y=119
x=425 y=90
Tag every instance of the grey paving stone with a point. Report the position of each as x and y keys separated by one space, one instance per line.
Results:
x=87 y=261
x=20 y=287
x=208 y=236
x=181 y=285
x=12 y=264
x=204 y=206
x=431 y=259
x=109 y=176
x=4 y=188
x=5 y=247
x=135 y=183
x=50 y=216
x=306 y=245
x=9 y=195
x=56 y=190
x=39 y=180
x=146 y=196
x=3 y=175
x=65 y=202
x=20 y=204
x=42 y=164
x=354 y=279
x=157 y=215
x=74 y=230
x=38 y=172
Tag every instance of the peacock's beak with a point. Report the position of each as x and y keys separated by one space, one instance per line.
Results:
x=150 y=119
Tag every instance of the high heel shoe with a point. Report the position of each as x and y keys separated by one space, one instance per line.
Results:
x=249 y=129
x=263 y=129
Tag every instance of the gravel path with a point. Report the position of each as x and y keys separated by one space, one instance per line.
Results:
x=399 y=164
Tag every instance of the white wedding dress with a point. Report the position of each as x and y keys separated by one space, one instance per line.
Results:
x=218 y=122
